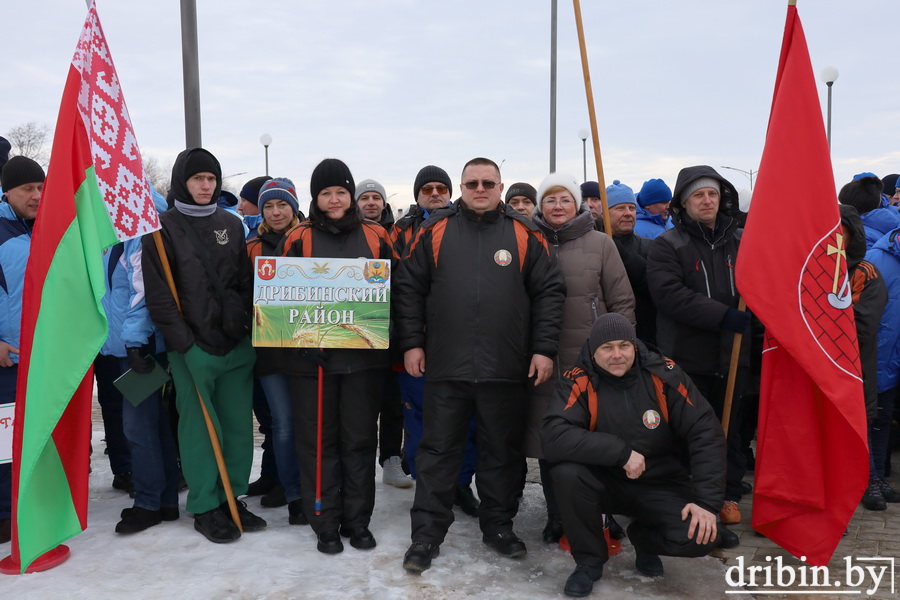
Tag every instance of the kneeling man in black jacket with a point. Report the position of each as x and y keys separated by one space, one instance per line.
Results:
x=631 y=435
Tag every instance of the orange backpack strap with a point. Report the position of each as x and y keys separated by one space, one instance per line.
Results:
x=660 y=388
x=581 y=383
x=862 y=274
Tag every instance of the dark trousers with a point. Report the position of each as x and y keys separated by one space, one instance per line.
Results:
x=269 y=467
x=154 y=461
x=713 y=389
x=412 y=390
x=586 y=492
x=499 y=429
x=106 y=370
x=880 y=434
x=350 y=404
x=390 y=421
x=8 y=377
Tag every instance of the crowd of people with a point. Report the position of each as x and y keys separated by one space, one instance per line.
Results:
x=519 y=328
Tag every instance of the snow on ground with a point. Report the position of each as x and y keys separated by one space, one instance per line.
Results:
x=172 y=561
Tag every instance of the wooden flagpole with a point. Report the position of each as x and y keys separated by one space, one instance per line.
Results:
x=593 y=117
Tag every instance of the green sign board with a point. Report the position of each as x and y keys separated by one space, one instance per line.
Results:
x=321 y=303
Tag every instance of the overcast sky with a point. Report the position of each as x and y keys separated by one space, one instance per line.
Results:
x=393 y=85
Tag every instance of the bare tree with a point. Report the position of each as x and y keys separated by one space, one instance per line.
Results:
x=32 y=140
x=158 y=173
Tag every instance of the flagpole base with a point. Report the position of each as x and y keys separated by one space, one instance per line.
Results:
x=44 y=562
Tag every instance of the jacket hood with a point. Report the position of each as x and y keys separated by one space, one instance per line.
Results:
x=728 y=199
x=179 y=174
x=882 y=220
x=890 y=243
x=856 y=248
x=387 y=217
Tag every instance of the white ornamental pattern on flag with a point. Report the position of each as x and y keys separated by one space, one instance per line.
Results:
x=116 y=156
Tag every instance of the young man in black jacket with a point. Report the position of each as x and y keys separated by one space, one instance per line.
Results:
x=630 y=434
x=207 y=335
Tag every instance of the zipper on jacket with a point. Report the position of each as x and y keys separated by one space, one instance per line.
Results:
x=730 y=273
x=699 y=266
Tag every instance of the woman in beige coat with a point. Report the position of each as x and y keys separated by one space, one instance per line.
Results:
x=596 y=283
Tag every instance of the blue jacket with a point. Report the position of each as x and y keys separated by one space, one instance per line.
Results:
x=885 y=255
x=251 y=223
x=648 y=225
x=15 y=245
x=129 y=320
x=879 y=222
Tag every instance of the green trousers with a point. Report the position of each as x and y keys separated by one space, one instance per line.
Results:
x=226 y=385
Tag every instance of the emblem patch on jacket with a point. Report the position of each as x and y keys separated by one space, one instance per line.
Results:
x=651 y=419
x=502 y=257
x=221 y=236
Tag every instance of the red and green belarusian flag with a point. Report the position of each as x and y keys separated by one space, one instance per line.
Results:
x=95 y=195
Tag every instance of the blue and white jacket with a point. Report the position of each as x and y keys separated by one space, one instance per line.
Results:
x=129 y=320
x=885 y=255
x=15 y=246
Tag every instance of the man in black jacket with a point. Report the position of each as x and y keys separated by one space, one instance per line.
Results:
x=631 y=435
x=207 y=336
x=690 y=272
x=478 y=298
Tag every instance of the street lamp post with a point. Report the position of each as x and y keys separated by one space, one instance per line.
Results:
x=829 y=75
x=749 y=173
x=583 y=134
x=266 y=139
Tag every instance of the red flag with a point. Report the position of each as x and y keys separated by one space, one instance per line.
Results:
x=812 y=461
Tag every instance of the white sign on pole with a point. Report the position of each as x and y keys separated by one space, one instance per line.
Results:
x=7 y=412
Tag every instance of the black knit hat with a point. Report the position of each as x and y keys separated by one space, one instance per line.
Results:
x=429 y=174
x=590 y=189
x=329 y=172
x=20 y=170
x=5 y=147
x=863 y=194
x=521 y=189
x=610 y=327
x=889 y=182
x=201 y=162
x=250 y=191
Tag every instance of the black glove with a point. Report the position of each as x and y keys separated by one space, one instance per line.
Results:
x=316 y=356
x=138 y=362
x=737 y=321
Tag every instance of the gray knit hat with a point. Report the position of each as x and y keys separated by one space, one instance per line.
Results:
x=610 y=327
x=370 y=185
x=702 y=182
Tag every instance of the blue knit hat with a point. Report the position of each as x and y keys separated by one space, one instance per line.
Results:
x=654 y=191
x=279 y=188
x=619 y=193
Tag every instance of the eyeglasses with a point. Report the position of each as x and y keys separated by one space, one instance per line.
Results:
x=428 y=189
x=554 y=201
x=487 y=184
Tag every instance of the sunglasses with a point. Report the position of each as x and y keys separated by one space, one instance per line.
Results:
x=428 y=189
x=473 y=185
